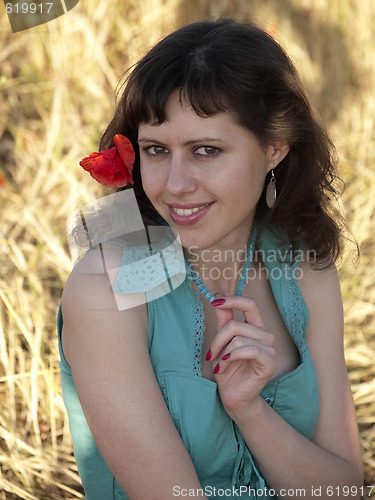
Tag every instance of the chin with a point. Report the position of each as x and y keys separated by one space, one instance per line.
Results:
x=194 y=243
x=190 y=237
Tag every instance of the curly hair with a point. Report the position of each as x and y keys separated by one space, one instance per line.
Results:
x=226 y=66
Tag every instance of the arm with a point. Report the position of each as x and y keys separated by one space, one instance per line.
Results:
x=107 y=350
x=286 y=458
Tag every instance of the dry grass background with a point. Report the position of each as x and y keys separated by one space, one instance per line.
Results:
x=56 y=95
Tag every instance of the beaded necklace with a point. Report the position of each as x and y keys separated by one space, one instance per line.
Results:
x=244 y=273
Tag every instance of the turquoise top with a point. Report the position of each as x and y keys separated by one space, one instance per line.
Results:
x=218 y=451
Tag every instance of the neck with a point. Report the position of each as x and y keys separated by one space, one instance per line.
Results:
x=220 y=268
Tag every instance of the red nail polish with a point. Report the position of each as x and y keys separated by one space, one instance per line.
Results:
x=226 y=356
x=217 y=368
x=218 y=302
x=209 y=355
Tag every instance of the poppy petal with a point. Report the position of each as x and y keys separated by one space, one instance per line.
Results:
x=124 y=148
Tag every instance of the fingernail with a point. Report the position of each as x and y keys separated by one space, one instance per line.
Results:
x=218 y=302
x=217 y=368
x=226 y=356
x=209 y=355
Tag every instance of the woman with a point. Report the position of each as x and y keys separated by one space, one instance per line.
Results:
x=233 y=382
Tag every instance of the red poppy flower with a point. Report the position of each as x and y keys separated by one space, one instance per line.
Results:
x=112 y=167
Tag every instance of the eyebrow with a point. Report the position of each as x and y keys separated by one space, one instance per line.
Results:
x=187 y=143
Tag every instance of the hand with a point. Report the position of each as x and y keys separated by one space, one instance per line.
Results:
x=244 y=354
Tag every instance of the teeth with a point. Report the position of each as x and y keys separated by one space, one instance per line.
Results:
x=188 y=211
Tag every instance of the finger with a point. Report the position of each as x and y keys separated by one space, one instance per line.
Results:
x=262 y=358
x=235 y=334
x=223 y=316
x=247 y=306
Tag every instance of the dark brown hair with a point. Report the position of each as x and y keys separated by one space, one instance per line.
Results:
x=224 y=65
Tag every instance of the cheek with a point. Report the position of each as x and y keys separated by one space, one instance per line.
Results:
x=151 y=182
x=247 y=181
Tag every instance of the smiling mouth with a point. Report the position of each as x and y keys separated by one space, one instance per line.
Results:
x=188 y=211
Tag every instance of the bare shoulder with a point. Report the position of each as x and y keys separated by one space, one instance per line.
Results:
x=321 y=291
x=88 y=283
x=89 y=301
x=319 y=286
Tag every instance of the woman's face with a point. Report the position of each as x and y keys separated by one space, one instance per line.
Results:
x=204 y=175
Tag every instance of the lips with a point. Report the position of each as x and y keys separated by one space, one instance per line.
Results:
x=188 y=214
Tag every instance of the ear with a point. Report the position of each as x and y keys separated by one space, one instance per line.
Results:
x=276 y=153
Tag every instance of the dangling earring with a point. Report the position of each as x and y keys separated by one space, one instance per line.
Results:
x=271 y=191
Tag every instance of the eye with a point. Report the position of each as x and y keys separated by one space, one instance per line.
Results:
x=207 y=151
x=155 y=150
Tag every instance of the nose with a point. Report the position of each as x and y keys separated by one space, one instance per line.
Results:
x=181 y=179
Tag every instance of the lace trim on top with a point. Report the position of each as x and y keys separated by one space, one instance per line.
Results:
x=198 y=335
x=293 y=307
